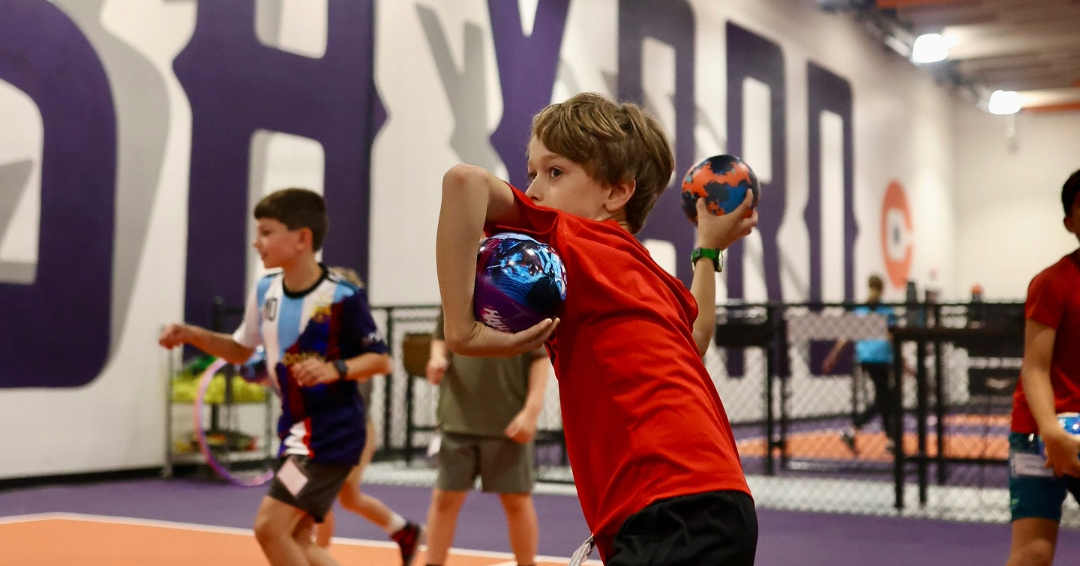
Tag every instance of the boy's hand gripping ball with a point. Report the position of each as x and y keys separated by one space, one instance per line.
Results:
x=1068 y=421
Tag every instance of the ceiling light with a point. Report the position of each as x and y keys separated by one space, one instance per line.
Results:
x=1004 y=102
x=929 y=48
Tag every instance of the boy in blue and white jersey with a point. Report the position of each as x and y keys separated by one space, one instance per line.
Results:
x=327 y=321
x=319 y=339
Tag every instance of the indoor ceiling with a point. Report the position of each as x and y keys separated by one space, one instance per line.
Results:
x=1028 y=46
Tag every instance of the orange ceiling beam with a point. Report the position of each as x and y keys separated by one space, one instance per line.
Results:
x=1065 y=107
x=887 y=4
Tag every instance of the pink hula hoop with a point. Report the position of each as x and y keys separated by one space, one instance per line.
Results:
x=204 y=446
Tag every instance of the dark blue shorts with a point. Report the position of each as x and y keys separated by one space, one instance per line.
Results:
x=1034 y=492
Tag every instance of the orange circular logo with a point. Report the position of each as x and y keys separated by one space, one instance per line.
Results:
x=897 y=233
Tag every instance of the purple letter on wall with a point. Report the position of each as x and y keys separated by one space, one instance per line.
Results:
x=750 y=56
x=238 y=85
x=828 y=92
x=527 y=67
x=672 y=23
x=55 y=331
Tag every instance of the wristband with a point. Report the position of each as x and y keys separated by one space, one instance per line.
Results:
x=714 y=254
x=342 y=368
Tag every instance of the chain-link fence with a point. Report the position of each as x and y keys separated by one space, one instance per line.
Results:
x=828 y=419
x=825 y=416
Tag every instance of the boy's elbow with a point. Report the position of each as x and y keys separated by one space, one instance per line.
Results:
x=387 y=365
x=462 y=175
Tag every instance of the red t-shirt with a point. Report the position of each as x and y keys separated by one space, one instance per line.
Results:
x=642 y=418
x=1054 y=300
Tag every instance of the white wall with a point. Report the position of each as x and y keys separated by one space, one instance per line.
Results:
x=1008 y=197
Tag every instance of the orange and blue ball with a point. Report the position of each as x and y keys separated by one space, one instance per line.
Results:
x=722 y=180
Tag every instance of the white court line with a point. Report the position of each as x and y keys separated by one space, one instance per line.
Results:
x=15 y=519
x=88 y=518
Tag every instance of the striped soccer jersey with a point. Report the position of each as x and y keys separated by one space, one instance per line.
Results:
x=329 y=321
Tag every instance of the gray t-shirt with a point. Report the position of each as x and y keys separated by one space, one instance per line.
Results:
x=480 y=396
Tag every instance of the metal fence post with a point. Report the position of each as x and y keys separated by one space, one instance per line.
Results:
x=771 y=442
x=896 y=382
x=388 y=386
x=941 y=404
x=921 y=415
x=409 y=426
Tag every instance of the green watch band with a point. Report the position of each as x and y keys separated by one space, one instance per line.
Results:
x=714 y=254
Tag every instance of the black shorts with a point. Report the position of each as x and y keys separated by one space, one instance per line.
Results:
x=320 y=491
x=716 y=528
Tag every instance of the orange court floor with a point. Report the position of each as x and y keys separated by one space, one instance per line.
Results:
x=63 y=539
x=827 y=445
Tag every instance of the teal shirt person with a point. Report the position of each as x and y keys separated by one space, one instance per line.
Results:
x=875 y=351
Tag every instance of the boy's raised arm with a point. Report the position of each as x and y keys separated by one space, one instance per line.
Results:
x=472 y=197
x=703 y=287
x=715 y=232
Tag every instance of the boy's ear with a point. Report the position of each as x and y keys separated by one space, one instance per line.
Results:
x=1070 y=225
x=306 y=237
x=619 y=194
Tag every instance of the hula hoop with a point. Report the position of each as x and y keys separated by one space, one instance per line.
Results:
x=204 y=446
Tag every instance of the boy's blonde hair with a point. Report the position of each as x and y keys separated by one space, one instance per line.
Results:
x=349 y=275
x=615 y=143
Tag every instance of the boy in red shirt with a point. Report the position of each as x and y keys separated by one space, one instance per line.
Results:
x=655 y=463
x=1049 y=385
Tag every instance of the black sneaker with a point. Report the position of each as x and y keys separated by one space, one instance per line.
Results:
x=849 y=439
x=408 y=538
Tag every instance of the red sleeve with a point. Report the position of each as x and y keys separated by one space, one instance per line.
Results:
x=536 y=221
x=1045 y=302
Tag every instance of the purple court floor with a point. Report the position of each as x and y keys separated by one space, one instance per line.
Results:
x=786 y=538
